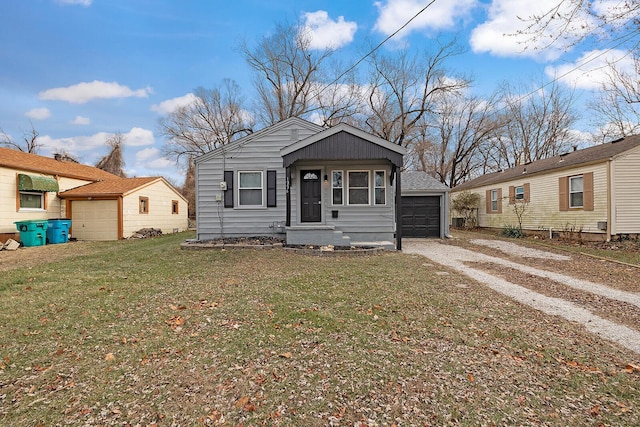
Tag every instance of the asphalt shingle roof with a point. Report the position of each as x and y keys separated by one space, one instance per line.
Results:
x=593 y=154
x=110 y=187
x=417 y=181
x=46 y=165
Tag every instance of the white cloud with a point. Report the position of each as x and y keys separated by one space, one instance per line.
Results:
x=170 y=105
x=150 y=158
x=499 y=34
x=87 y=91
x=146 y=154
x=590 y=70
x=137 y=137
x=85 y=3
x=80 y=120
x=38 y=113
x=326 y=33
x=439 y=15
x=91 y=144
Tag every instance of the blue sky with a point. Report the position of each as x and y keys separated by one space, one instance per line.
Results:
x=81 y=70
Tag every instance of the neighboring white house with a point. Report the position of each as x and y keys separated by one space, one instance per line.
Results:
x=591 y=191
x=35 y=187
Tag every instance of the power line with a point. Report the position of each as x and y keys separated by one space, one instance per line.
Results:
x=378 y=46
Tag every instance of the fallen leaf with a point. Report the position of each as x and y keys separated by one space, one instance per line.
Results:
x=594 y=411
x=110 y=357
x=286 y=355
x=471 y=378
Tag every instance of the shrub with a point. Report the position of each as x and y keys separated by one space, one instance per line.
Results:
x=512 y=231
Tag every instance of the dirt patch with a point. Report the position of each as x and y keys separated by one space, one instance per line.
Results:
x=36 y=255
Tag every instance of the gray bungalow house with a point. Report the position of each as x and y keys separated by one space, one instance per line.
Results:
x=311 y=185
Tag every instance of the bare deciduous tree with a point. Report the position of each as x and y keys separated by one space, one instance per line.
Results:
x=215 y=117
x=113 y=162
x=403 y=88
x=29 y=143
x=618 y=105
x=287 y=72
x=536 y=125
x=188 y=188
x=450 y=145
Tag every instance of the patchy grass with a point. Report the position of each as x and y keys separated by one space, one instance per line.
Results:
x=141 y=332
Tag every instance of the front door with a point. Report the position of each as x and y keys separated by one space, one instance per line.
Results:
x=310 y=196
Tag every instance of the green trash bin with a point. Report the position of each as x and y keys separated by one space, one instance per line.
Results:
x=58 y=231
x=33 y=232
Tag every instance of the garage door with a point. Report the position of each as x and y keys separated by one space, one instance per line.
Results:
x=421 y=216
x=94 y=219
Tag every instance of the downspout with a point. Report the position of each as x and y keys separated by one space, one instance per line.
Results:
x=609 y=200
x=398 y=211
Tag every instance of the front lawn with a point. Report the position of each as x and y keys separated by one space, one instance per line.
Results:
x=141 y=332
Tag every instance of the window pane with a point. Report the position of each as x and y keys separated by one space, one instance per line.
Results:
x=337 y=196
x=30 y=201
x=359 y=196
x=380 y=197
x=250 y=180
x=519 y=193
x=576 y=200
x=337 y=179
x=251 y=197
x=576 y=184
x=359 y=179
x=379 y=178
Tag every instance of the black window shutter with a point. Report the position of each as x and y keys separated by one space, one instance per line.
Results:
x=228 y=193
x=271 y=189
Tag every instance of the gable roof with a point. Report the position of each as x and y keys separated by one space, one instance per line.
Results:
x=415 y=182
x=343 y=142
x=258 y=134
x=115 y=187
x=19 y=160
x=595 y=154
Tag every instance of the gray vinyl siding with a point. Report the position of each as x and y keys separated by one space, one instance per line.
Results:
x=259 y=154
x=360 y=223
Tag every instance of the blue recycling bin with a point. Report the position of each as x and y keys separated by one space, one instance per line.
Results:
x=33 y=232
x=58 y=230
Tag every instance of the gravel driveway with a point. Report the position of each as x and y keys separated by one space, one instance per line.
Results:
x=586 y=302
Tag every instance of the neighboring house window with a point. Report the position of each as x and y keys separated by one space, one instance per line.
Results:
x=144 y=205
x=358 y=191
x=519 y=193
x=175 y=206
x=250 y=188
x=337 y=188
x=380 y=186
x=31 y=200
x=576 y=199
x=494 y=201
x=576 y=192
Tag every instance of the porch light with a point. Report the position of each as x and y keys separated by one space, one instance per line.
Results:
x=326 y=178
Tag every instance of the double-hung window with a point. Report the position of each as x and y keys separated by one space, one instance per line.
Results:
x=380 y=187
x=576 y=192
x=519 y=193
x=494 y=200
x=337 y=189
x=31 y=200
x=358 y=191
x=250 y=188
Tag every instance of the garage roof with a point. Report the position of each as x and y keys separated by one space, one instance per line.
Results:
x=421 y=182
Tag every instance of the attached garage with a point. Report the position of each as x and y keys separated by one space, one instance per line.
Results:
x=94 y=219
x=425 y=206
x=421 y=216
